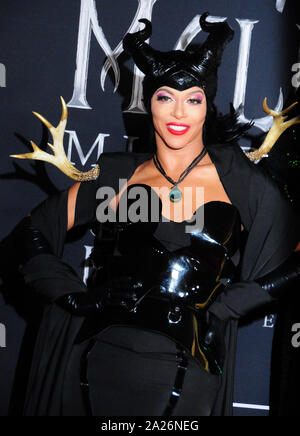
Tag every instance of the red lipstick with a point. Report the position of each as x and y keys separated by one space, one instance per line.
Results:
x=177 y=128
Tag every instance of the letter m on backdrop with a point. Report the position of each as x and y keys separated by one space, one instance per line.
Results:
x=74 y=142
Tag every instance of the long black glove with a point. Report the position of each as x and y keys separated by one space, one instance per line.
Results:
x=277 y=281
x=120 y=292
x=21 y=245
x=80 y=303
x=214 y=338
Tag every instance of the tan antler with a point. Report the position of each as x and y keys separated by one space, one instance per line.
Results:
x=59 y=158
x=278 y=127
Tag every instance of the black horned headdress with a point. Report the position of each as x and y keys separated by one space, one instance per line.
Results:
x=180 y=69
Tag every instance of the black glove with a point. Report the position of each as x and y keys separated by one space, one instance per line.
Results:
x=80 y=303
x=275 y=283
x=282 y=277
x=23 y=243
x=214 y=338
x=122 y=292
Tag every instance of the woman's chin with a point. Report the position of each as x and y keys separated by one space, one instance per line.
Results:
x=180 y=144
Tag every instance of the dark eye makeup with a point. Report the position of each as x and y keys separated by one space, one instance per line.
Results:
x=163 y=97
x=194 y=100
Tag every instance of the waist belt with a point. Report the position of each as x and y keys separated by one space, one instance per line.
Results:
x=180 y=318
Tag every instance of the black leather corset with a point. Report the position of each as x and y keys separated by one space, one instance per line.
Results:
x=160 y=277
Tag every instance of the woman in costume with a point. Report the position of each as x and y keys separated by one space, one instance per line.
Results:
x=154 y=333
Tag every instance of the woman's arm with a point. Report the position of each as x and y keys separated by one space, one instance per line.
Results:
x=284 y=276
x=35 y=246
x=72 y=198
x=46 y=227
x=27 y=241
x=274 y=284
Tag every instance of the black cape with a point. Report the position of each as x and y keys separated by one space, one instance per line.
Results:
x=272 y=232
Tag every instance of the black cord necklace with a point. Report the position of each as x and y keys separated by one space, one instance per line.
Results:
x=175 y=194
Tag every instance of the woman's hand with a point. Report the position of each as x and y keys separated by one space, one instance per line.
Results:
x=121 y=292
x=24 y=243
x=214 y=338
x=80 y=303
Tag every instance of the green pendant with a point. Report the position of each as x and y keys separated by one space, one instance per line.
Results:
x=175 y=194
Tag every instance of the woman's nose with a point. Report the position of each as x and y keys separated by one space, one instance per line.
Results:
x=178 y=110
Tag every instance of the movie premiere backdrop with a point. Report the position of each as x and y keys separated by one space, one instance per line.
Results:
x=73 y=49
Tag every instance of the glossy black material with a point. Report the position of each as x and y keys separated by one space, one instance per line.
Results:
x=21 y=245
x=179 y=380
x=180 y=69
x=282 y=277
x=162 y=290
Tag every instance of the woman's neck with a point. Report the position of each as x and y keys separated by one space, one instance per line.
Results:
x=177 y=160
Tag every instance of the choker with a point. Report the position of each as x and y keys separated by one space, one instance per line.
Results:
x=175 y=194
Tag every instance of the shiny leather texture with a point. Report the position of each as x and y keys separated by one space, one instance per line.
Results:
x=180 y=69
x=172 y=289
x=282 y=277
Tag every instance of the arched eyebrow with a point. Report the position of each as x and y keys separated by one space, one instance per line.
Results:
x=189 y=93
x=195 y=92
x=164 y=89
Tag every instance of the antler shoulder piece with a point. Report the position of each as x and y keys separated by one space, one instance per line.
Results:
x=58 y=158
x=278 y=127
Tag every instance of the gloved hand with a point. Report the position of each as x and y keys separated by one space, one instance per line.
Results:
x=275 y=284
x=121 y=292
x=80 y=303
x=23 y=243
x=214 y=338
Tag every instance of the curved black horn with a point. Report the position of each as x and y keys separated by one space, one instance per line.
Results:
x=143 y=55
x=210 y=54
x=145 y=33
x=221 y=27
x=220 y=31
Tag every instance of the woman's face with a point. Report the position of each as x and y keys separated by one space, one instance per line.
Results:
x=179 y=116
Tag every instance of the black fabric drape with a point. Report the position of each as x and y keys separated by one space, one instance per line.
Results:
x=272 y=236
x=285 y=378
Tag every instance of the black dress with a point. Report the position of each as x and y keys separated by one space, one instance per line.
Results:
x=143 y=354
x=271 y=234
